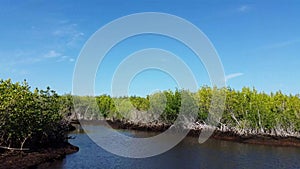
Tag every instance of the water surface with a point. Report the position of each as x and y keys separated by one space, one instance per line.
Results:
x=188 y=154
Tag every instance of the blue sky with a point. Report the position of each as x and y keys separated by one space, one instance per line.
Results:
x=258 y=42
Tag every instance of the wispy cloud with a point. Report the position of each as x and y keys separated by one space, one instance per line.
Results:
x=243 y=8
x=20 y=58
x=234 y=75
x=68 y=32
x=65 y=58
x=52 y=54
x=282 y=44
x=15 y=71
x=59 y=57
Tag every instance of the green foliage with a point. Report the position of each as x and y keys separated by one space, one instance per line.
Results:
x=29 y=118
x=140 y=103
x=106 y=105
x=36 y=118
x=244 y=110
x=250 y=110
x=87 y=107
x=204 y=96
x=66 y=105
x=172 y=106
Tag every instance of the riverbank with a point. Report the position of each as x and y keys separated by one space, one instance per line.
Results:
x=195 y=130
x=36 y=159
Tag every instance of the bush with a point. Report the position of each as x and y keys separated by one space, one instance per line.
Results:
x=30 y=119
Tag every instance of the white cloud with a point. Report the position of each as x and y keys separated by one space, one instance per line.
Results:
x=69 y=33
x=58 y=56
x=234 y=75
x=52 y=54
x=65 y=58
x=244 y=8
x=71 y=60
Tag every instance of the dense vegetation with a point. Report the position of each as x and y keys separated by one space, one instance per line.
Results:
x=31 y=119
x=246 y=112
x=37 y=118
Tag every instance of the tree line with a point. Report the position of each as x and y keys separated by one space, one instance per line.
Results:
x=246 y=111
x=38 y=118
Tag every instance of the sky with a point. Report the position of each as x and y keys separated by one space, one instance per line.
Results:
x=258 y=42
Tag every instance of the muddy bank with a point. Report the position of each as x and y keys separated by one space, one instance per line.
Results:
x=228 y=135
x=37 y=159
x=257 y=139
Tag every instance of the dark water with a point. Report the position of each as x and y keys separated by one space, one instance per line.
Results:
x=188 y=154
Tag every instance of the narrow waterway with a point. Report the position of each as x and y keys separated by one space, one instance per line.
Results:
x=188 y=154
